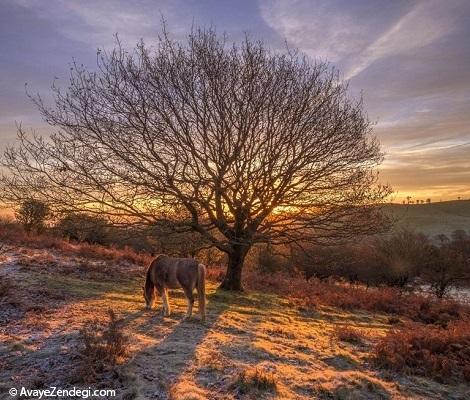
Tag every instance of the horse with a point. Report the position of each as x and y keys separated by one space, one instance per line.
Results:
x=166 y=272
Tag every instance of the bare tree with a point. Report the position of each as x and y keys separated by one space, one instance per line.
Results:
x=251 y=145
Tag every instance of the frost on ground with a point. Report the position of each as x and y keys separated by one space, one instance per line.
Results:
x=253 y=345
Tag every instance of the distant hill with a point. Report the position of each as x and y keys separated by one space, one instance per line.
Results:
x=432 y=219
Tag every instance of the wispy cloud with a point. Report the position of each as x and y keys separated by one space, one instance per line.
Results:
x=96 y=22
x=425 y=23
x=353 y=37
x=410 y=58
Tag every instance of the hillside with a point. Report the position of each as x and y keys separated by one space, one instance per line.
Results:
x=432 y=219
x=47 y=297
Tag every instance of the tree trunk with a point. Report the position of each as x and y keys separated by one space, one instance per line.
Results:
x=233 y=276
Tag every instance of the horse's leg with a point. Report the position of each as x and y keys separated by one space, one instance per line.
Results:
x=190 y=300
x=166 y=304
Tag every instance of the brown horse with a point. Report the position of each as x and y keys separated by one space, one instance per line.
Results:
x=167 y=272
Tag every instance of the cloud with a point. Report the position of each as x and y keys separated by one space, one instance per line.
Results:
x=421 y=26
x=356 y=36
x=409 y=57
x=96 y=22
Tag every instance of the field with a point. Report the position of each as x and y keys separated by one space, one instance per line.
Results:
x=432 y=219
x=253 y=345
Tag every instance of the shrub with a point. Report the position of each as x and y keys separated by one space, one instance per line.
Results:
x=83 y=228
x=101 y=347
x=348 y=334
x=255 y=379
x=32 y=214
x=394 y=261
x=402 y=257
x=439 y=353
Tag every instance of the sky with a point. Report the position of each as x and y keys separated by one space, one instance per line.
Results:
x=410 y=60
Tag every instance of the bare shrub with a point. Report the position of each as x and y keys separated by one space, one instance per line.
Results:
x=271 y=259
x=439 y=353
x=450 y=264
x=101 y=347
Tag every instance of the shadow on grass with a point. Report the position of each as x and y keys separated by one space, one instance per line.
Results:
x=159 y=366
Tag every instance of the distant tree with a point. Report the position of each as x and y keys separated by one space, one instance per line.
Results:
x=401 y=258
x=32 y=214
x=408 y=199
x=449 y=266
x=253 y=146
x=428 y=201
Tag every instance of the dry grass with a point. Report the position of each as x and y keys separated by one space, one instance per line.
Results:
x=439 y=353
x=255 y=380
x=16 y=236
x=101 y=347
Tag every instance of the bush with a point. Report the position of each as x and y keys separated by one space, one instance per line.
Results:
x=348 y=334
x=393 y=261
x=255 y=380
x=83 y=228
x=402 y=257
x=32 y=215
x=101 y=347
x=442 y=354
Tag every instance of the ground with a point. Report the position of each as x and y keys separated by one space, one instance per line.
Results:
x=49 y=296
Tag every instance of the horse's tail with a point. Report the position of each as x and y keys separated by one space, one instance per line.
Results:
x=201 y=290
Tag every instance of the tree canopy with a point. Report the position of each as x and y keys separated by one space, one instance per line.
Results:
x=236 y=142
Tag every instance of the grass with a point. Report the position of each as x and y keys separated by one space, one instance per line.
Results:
x=431 y=219
x=289 y=343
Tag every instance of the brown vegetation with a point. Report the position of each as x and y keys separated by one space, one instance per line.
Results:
x=13 y=234
x=416 y=307
x=440 y=353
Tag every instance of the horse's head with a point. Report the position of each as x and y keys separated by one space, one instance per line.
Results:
x=149 y=296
